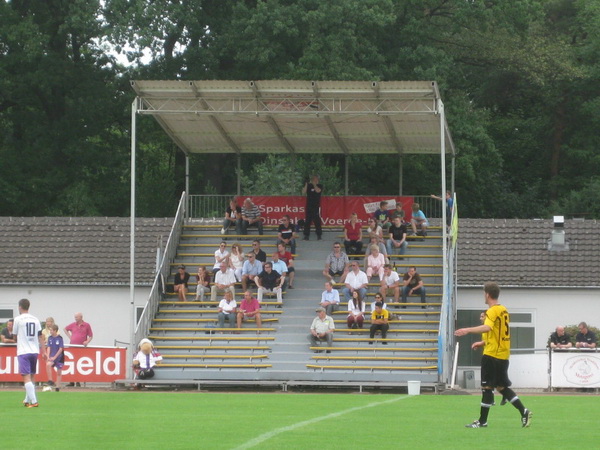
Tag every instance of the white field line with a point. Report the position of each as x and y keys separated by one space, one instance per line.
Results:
x=266 y=436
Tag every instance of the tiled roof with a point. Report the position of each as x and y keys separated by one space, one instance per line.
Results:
x=514 y=252
x=78 y=250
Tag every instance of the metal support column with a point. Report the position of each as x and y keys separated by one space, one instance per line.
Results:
x=400 y=173
x=346 y=174
x=239 y=174
x=453 y=168
x=132 y=321
x=187 y=184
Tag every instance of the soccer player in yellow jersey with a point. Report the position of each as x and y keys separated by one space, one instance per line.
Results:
x=494 y=362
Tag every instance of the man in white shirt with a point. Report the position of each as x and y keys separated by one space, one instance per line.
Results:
x=390 y=282
x=224 y=281
x=330 y=298
x=227 y=310
x=356 y=280
x=30 y=344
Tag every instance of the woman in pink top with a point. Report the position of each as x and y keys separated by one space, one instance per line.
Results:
x=375 y=263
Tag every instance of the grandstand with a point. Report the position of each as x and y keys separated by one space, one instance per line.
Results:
x=293 y=117
x=195 y=350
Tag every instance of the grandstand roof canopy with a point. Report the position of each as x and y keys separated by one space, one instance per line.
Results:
x=284 y=116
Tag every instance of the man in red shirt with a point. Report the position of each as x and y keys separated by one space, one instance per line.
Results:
x=288 y=259
x=79 y=332
x=248 y=309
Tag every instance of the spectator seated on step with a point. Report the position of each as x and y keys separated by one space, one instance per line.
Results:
x=336 y=264
x=418 y=222
x=412 y=284
x=180 y=283
x=330 y=298
x=379 y=299
x=288 y=259
x=236 y=260
x=249 y=309
x=221 y=257
x=270 y=281
x=280 y=267
x=321 y=329
x=251 y=268
x=224 y=281
x=375 y=263
x=260 y=255
x=356 y=280
x=356 y=311
x=375 y=234
x=286 y=233
x=203 y=283
x=398 y=212
x=353 y=236
x=390 y=283
x=145 y=359
x=233 y=215
x=251 y=217
x=382 y=215
x=379 y=322
x=227 y=310
x=396 y=243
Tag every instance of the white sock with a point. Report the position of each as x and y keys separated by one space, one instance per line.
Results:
x=30 y=390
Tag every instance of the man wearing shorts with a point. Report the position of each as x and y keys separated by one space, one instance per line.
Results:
x=30 y=343
x=494 y=362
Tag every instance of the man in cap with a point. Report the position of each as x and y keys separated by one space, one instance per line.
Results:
x=322 y=329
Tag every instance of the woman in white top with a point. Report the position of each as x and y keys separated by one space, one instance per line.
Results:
x=356 y=311
x=375 y=263
x=236 y=260
x=221 y=256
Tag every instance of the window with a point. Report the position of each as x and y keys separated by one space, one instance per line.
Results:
x=522 y=334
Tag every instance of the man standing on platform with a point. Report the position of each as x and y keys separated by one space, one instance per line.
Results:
x=313 y=191
x=30 y=343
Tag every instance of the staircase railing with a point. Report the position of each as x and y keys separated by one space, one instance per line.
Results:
x=162 y=273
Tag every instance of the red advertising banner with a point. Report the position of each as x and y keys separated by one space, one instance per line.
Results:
x=82 y=364
x=335 y=211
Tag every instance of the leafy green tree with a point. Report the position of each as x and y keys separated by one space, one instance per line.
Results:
x=284 y=175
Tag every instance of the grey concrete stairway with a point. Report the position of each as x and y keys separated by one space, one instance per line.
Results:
x=193 y=350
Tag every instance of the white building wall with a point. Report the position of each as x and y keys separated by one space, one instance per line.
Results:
x=106 y=308
x=550 y=307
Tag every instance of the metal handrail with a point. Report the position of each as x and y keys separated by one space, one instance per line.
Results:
x=212 y=206
x=163 y=271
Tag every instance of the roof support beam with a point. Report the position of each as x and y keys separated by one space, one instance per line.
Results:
x=334 y=132
x=216 y=122
x=392 y=132
x=272 y=123
x=336 y=136
x=390 y=129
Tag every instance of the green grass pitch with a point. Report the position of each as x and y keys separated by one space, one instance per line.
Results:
x=189 y=420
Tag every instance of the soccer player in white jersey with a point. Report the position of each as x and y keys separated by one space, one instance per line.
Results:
x=30 y=343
